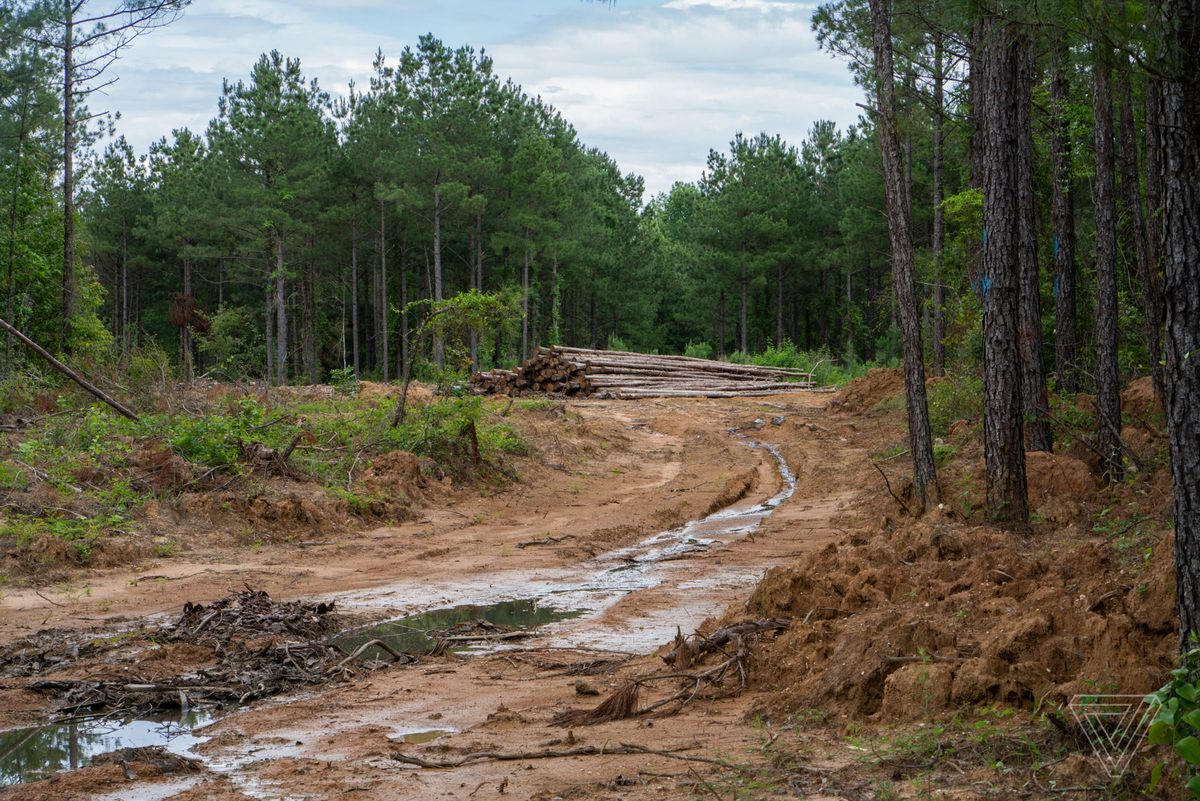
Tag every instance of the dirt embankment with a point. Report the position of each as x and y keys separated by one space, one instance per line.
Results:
x=903 y=619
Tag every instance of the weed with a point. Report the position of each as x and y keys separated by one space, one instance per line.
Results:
x=13 y=478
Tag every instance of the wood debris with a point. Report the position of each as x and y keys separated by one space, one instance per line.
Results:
x=581 y=372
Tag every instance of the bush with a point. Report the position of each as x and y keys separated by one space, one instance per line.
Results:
x=699 y=350
x=954 y=398
x=234 y=346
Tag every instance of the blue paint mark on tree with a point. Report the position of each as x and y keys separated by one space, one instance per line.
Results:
x=985 y=284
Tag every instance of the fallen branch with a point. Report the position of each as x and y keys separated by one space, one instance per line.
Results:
x=554 y=753
x=68 y=372
x=889 y=488
x=544 y=541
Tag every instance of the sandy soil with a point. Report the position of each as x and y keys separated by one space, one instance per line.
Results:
x=658 y=464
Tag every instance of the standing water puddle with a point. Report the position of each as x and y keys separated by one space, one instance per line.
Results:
x=34 y=753
x=585 y=591
x=415 y=634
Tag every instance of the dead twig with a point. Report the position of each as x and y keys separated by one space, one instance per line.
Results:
x=888 y=484
x=555 y=753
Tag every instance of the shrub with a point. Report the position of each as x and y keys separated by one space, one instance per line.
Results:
x=699 y=350
x=954 y=398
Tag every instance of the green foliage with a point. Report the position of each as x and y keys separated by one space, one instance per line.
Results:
x=80 y=534
x=1177 y=719
x=699 y=350
x=953 y=398
x=344 y=381
x=440 y=431
x=233 y=345
x=213 y=440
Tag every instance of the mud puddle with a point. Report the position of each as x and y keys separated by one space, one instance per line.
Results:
x=421 y=633
x=599 y=583
x=35 y=753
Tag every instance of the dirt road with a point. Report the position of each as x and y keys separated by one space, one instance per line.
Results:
x=596 y=530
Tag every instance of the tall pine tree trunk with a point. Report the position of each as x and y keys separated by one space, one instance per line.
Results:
x=1108 y=389
x=185 y=328
x=1154 y=213
x=1003 y=439
x=1062 y=214
x=903 y=275
x=1178 y=145
x=1135 y=228
x=68 y=275
x=281 y=320
x=439 y=343
x=384 y=310
x=939 y=229
x=743 y=333
x=1035 y=402
x=269 y=327
x=1179 y=150
x=354 y=297
x=405 y=367
x=525 y=303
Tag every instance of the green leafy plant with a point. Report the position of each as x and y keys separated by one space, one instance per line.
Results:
x=1177 y=720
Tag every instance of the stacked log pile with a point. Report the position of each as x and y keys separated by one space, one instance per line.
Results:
x=616 y=374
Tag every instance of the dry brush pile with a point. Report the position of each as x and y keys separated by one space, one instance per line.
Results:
x=618 y=374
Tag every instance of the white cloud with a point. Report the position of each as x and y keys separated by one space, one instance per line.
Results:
x=654 y=83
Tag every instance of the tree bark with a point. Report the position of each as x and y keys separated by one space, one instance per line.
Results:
x=939 y=229
x=405 y=367
x=1035 y=402
x=1154 y=214
x=1062 y=214
x=743 y=334
x=1108 y=390
x=525 y=303
x=1178 y=143
x=10 y=287
x=1003 y=440
x=903 y=275
x=354 y=297
x=68 y=276
x=281 y=320
x=384 y=309
x=439 y=343
x=185 y=330
x=1135 y=229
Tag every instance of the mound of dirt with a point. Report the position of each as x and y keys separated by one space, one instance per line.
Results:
x=877 y=385
x=906 y=623
x=159 y=467
x=395 y=475
x=418 y=394
x=1140 y=402
x=1058 y=484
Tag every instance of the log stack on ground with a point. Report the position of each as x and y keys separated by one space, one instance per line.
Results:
x=580 y=372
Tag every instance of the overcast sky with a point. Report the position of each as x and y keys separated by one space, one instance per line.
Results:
x=655 y=83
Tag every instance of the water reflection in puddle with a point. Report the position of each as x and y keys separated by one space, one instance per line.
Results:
x=415 y=634
x=34 y=753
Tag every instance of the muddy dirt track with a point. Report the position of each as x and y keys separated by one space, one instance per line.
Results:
x=583 y=534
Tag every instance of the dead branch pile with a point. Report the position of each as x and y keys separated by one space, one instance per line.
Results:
x=253 y=612
x=260 y=647
x=732 y=643
x=617 y=374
